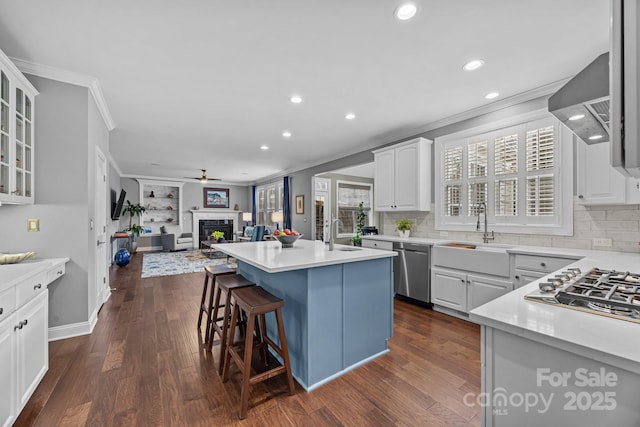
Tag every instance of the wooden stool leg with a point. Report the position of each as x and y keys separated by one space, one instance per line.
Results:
x=204 y=296
x=285 y=350
x=263 y=334
x=226 y=338
x=246 y=374
x=225 y=353
x=208 y=338
x=214 y=315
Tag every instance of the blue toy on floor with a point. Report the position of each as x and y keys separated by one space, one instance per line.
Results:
x=122 y=257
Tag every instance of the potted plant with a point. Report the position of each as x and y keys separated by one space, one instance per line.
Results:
x=404 y=227
x=218 y=236
x=360 y=218
x=135 y=229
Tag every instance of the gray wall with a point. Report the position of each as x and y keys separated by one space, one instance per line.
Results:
x=65 y=126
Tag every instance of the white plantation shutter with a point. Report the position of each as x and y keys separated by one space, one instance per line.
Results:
x=540 y=149
x=477 y=159
x=453 y=164
x=507 y=197
x=540 y=196
x=452 y=200
x=506 y=154
x=515 y=169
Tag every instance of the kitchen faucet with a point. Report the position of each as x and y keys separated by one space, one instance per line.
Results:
x=485 y=236
x=332 y=226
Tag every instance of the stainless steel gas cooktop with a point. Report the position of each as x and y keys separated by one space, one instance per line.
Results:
x=605 y=292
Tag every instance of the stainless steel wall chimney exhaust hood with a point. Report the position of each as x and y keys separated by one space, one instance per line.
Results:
x=582 y=104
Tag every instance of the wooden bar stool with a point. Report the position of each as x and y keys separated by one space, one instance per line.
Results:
x=211 y=273
x=256 y=302
x=229 y=284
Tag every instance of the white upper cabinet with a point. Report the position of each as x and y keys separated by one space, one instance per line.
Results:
x=598 y=182
x=403 y=176
x=16 y=134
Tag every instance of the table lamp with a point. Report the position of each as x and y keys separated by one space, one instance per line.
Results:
x=277 y=217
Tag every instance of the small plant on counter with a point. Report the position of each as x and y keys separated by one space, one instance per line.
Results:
x=403 y=225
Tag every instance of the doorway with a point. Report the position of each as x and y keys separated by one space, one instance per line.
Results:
x=101 y=288
x=321 y=208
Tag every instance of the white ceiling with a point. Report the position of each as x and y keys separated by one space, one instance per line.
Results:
x=201 y=84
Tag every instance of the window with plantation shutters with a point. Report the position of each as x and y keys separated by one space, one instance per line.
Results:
x=515 y=169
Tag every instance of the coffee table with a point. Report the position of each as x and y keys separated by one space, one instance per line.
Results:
x=206 y=247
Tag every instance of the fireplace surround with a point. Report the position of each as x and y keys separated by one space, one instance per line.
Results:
x=227 y=221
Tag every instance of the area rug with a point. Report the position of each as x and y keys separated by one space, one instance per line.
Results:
x=183 y=262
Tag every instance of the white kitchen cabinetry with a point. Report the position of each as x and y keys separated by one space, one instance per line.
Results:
x=463 y=292
x=24 y=330
x=377 y=244
x=403 y=176
x=598 y=182
x=17 y=111
x=532 y=267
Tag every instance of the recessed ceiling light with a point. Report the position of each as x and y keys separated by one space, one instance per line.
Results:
x=492 y=95
x=576 y=117
x=473 y=65
x=286 y=134
x=595 y=137
x=296 y=99
x=264 y=147
x=350 y=116
x=406 y=11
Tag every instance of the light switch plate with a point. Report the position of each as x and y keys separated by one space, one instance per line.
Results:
x=33 y=225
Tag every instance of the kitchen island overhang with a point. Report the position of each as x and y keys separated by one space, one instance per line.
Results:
x=338 y=311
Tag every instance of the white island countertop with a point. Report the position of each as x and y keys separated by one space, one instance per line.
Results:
x=609 y=340
x=271 y=257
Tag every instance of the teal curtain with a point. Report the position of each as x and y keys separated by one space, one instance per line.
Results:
x=286 y=204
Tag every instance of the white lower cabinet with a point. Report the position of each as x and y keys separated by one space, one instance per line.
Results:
x=524 y=277
x=32 y=345
x=463 y=292
x=7 y=372
x=449 y=288
x=532 y=267
x=24 y=355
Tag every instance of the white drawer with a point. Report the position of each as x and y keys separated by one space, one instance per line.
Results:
x=7 y=303
x=544 y=264
x=55 y=273
x=377 y=244
x=28 y=289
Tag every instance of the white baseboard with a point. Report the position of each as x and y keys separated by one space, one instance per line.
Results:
x=77 y=329
x=149 y=248
x=69 y=331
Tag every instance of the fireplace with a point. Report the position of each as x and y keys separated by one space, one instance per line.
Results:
x=208 y=226
x=222 y=220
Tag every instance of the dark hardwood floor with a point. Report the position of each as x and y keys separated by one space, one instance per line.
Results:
x=144 y=365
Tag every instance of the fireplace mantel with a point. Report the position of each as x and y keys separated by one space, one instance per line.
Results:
x=200 y=214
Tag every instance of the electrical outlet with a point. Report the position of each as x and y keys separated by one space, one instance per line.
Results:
x=603 y=243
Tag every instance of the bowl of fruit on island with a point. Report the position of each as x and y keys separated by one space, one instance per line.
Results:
x=287 y=237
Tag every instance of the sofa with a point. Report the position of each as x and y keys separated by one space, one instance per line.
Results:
x=173 y=239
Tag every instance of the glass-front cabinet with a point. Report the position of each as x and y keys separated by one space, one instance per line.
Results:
x=16 y=134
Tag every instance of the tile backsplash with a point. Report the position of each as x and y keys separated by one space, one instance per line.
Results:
x=620 y=223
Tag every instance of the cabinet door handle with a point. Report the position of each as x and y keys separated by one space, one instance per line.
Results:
x=1 y=311
x=59 y=273
x=24 y=322
x=517 y=277
x=38 y=286
x=462 y=280
x=20 y=325
x=542 y=264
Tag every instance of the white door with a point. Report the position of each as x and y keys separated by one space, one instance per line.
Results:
x=321 y=215
x=384 y=181
x=101 y=260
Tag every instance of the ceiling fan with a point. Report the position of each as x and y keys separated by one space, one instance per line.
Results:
x=203 y=179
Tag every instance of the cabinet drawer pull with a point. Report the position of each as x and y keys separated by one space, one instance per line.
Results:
x=38 y=286
x=462 y=280
x=517 y=277
x=542 y=264
x=20 y=325
x=59 y=273
x=24 y=322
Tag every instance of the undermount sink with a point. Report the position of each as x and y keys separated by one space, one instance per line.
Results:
x=348 y=249
x=478 y=257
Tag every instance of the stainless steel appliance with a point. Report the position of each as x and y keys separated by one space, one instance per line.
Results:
x=605 y=292
x=411 y=271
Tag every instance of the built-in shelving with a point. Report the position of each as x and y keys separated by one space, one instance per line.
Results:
x=163 y=203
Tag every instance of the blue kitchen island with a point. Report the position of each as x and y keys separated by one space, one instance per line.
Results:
x=338 y=311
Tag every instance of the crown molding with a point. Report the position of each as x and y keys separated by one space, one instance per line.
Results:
x=10 y=63
x=71 y=77
x=184 y=180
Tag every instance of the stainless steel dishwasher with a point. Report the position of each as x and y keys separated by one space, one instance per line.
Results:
x=411 y=271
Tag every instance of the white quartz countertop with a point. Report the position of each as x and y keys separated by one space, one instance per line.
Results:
x=10 y=274
x=271 y=257
x=610 y=340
